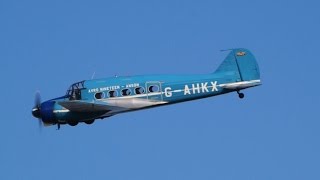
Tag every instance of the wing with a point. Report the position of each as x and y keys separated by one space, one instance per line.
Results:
x=240 y=85
x=115 y=105
x=82 y=106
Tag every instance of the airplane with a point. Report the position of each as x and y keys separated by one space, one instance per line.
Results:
x=89 y=100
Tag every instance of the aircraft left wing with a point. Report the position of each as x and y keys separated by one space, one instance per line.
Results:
x=122 y=104
x=82 y=106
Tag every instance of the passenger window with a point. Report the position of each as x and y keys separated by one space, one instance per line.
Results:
x=154 y=88
x=99 y=95
x=139 y=90
x=113 y=94
x=125 y=92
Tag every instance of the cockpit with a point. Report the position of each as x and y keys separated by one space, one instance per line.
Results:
x=74 y=91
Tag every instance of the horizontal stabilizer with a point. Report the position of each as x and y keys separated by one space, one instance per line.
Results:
x=241 y=85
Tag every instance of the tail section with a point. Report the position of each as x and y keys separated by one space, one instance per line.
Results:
x=242 y=63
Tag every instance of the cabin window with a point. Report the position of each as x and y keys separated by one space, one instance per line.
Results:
x=154 y=88
x=125 y=92
x=139 y=90
x=99 y=95
x=113 y=94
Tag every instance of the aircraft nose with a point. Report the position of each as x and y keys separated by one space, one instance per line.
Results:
x=44 y=111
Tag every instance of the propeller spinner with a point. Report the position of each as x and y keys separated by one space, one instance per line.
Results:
x=36 y=110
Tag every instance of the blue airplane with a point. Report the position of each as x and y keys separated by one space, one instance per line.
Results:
x=89 y=100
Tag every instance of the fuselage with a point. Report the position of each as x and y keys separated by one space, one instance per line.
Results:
x=88 y=100
x=139 y=92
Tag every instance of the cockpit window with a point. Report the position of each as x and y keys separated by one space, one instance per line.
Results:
x=74 y=91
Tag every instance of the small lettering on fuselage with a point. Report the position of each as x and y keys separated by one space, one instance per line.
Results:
x=132 y=85
x=108 y=88
x=93 y=90
x=111 y=88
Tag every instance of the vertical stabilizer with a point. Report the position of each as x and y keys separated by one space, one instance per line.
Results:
x=242 y=62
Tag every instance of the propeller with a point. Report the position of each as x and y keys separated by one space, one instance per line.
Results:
x=45 y=115
x=36 y=111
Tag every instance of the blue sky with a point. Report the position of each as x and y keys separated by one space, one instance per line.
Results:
x=271 y=134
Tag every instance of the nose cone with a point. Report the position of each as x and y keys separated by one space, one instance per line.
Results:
x=36 y=112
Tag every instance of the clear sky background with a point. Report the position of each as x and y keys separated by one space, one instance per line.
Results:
x=271 y=134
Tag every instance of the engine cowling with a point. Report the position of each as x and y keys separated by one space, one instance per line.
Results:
x=46 y=111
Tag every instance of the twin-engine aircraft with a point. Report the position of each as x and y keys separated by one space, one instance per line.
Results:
x=89 y=100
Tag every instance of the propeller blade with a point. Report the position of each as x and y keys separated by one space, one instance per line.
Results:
x=37 y=100
x=40 y=124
